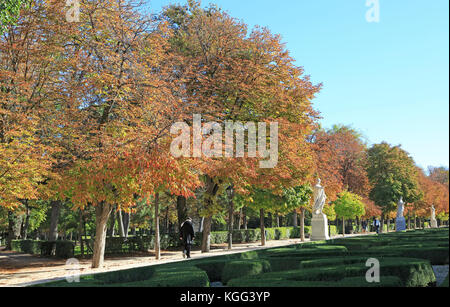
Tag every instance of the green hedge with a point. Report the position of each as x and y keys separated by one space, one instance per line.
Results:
x=412 y=273
x=385 y=281
x=26 y=246
x=243 y=268
x=60 y=249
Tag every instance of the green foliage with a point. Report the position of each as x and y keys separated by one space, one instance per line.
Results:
x=392 y=174
x=9 y=12
x=60 y=249
x=26 y=246
x=297 y=197
x=349 y=206
x=335 y=263
x=241 y=268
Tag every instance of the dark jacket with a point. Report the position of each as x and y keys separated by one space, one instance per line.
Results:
x=187 y=232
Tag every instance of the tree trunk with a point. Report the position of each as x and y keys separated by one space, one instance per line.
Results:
x=245 y=217
x=382 y=224
x=261 y=225
x=409 y=221
x=302 y=224
x=181 y=210
x=240 y=220
x=53 y=232
x=230 y=224
x=157 y=246
x=27 y=221
x=113 y=223
x=388 y=224
x=126 y=223
x=206 y=239
x=120 y=222
x=102 y=212
x=343 y=227
x=14 y=224
x=294 y=219
x=80 y=231
x=167 y=221
x=211 y=191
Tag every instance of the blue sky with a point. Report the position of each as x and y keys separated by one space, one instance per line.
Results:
x=388 y=80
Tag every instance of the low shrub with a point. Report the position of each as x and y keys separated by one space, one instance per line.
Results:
x=242 y=268
x=126 y=276
x=285 y=263
x=412 y=273
x=188 y=277
x=60 y=249
x=213 y=268
x=385 y=281
x=26 y=246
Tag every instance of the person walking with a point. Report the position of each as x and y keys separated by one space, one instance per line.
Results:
x=376 y=223
x=187 y=235
x=364 y=226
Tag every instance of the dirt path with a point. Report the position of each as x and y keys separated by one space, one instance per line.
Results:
x=22 y=269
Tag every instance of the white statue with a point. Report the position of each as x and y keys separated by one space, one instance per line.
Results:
x=433 y=217
x=401 y=207
x=400 y=222
x=319 y=198
x=319 y=221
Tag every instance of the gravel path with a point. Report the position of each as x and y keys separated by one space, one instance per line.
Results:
x=20 y=270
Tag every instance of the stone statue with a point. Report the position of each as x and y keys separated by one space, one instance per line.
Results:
x=319 y=221
x=433 y=217
x=319 y=198
x=400 y=222
x=401 y=207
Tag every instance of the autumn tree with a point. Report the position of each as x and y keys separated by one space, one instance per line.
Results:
x=298 y=198
x=113 y=125
x=233 y=75
x=392 y=174
x=348 y=206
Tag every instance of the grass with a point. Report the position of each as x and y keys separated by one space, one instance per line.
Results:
x=406 y=260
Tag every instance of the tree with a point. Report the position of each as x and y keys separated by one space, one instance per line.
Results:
x=233 y=75
x=298 y=198
x=348 y=206
x=9 y=12
x=392 y=174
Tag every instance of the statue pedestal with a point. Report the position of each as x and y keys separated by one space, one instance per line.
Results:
x=400 y=224
x=319 y=228
x=434 y=223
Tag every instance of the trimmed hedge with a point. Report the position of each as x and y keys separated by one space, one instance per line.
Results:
x=126 y=276
x=213 y=268
x=412 y=273
x=385 y=281
x=337 y=263
x=243 y=268
x=26 y=246
x=175 y=276
x=60 y=249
